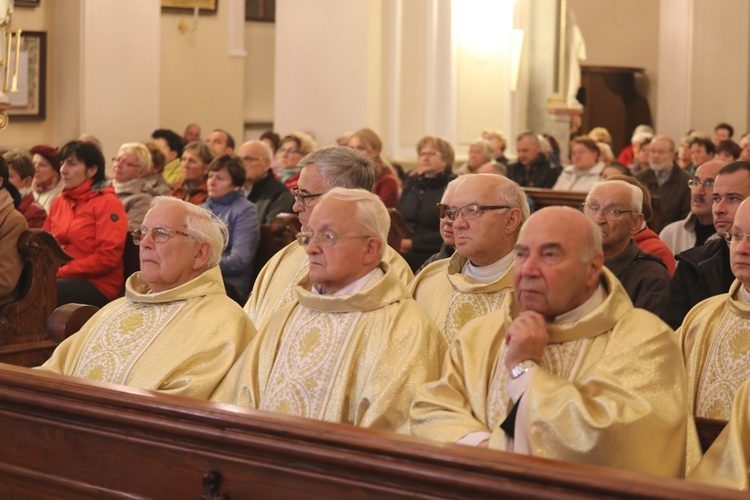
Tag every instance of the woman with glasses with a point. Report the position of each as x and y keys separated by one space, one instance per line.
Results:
x=586 y=167
x=196 y=157
x=130 y=165
x=226 y=176
x=422 y=192
x=90 y=224
x=293 y=148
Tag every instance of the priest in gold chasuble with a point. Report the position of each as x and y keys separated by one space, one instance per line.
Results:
x=726 y=461
x=715 y=334
x=568 y=369
x=487 y=211
x=353 y=346
x=322 y=170
x=175 y=331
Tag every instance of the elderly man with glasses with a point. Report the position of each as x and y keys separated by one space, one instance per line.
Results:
x=321 y=171
x=617 y=208
x=698 y=227
x=353 y=346
x=175 y=331
x=487 y=212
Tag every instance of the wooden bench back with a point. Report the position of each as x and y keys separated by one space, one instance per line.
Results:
x=23 y=315
x=68 y=438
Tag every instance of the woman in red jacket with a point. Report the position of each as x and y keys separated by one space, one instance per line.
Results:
x=90 y=224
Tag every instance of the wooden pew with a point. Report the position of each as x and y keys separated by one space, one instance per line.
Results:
x=547 y=197
x=708 y=430
x=23 y=315
x=398 y=230
x=275 y=236
x=66 y=438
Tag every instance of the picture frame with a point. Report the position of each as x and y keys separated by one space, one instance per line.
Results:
x=30 y=102
x=26 y=3
x=184 y=6
x=263 y=11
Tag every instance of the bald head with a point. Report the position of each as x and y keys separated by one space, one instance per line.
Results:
x=701 y=195
x=256 y=158
x=558 y=261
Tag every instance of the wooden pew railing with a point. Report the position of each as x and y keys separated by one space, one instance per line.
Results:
x=398 y=230
x=23 y=315
x=275 y=236
x=66 y=438
x=708 y=430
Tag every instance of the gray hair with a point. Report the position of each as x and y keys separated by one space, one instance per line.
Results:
x=141 y=152
x=532 y=136
x=342 y=167
x=202 y=150
x=636 y=195
x=202 y=226
x=267 y=151
x=486 y=147
x=370 y=213
x=512 y=194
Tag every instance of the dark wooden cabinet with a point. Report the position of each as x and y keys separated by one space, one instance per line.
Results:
x=612 y=101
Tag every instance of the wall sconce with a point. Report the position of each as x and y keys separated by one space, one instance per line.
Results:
x=185 y=27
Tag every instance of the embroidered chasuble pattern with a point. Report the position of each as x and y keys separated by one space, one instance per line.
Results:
x=110 y=355
x=290 y=291
x=466 y=306
x=308 y=362
x=561 y=360
x=727 y=366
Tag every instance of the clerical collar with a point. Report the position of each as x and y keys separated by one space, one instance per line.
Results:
x=490 y=273
x=579 y=312
x=743 y=295
x=355 y=286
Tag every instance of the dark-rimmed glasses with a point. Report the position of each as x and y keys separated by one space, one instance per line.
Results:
x=695 y=182
x=159 y=234
x=468 y=212
x=302 y=198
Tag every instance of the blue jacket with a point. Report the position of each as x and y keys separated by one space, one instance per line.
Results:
x=241 y=217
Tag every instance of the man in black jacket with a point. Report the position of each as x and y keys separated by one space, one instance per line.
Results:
x=532 y=169
x=617 y=208
x=261 y=187
x=704 y=271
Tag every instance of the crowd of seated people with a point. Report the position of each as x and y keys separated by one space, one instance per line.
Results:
x=585 y=335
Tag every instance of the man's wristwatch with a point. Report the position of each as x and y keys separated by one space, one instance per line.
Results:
x=521 y=368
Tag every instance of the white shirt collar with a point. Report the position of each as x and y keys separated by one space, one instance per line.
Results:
x=579 y=312
x=355 y=286
x=743 y=295
x=489 y=273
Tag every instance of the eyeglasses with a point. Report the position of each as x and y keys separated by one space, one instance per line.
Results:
x=610 y=213
x=468 y=212
x=250 y=159
x=324 y=239
x=302 y=198
x=291 y=151
x=123 y=162
x=695 y=182
x=159 y=234
x=735 y=237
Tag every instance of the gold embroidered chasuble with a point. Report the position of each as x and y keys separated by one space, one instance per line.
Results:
x=452 y=299
x=726 y=461
x=180 y=341
x=715 y=339
x=276 y=283
x=610 y=389
x=354 y=359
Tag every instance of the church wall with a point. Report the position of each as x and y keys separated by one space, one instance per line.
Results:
x=200 y=81
x=260 y=46
x=621 y=33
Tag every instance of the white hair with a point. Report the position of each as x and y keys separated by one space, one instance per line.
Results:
x=370 y=213
x=636 y=195
x=202 y=226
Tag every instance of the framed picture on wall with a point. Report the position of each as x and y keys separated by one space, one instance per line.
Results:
x=29 y=102
x=208 y=6
x=26 y=3
x=260 y=10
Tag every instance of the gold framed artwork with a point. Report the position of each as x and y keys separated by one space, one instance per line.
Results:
x=29 y=102
x=206 y=6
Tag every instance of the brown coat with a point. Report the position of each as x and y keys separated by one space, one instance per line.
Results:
x=12 y=224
